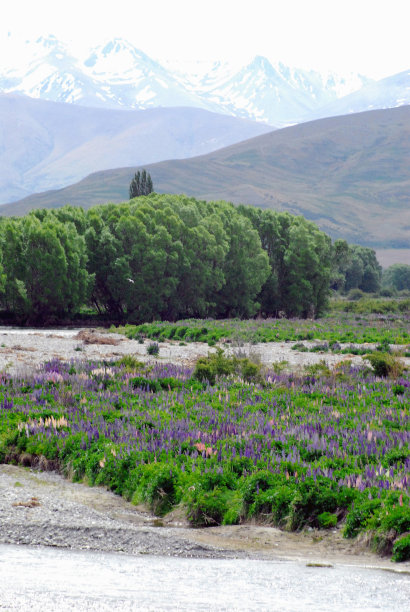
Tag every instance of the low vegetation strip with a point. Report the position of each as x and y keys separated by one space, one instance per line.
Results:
x=343 y=327
x=226 y=441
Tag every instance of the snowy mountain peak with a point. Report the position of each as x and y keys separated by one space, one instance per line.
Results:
x=116 y=74
x=116 y=58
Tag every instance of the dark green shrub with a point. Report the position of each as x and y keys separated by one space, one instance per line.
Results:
x=358 y=516
x=398 y=389
x=249 y=371
x=318 y=348
x=273 y=504
x=401 y=548
x=299 y=346
x=385 y=364
x=397 y=518
x=327 y=520
x=170 y=383
x=208 y=508
x=180 y=332
x=281 y=501
x=318 y=369
x=218 y=364
x=396 y=455
x=387 y=292
x=161 y=491
x=139 y=382
x=156 y=486
x=242 y=465
x=335 y=347
x=355 y=294
x=130 y=363
x=153 y=348
x=212 y=480
x=311 y=499
x=204 y=370
x=254 y=484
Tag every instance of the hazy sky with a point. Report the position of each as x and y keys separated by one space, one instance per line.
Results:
x=367 y=36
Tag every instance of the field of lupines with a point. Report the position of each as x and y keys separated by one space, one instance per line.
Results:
x=319 y=449
x=345 y=327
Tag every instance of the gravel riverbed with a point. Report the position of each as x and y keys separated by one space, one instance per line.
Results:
x=27 y=348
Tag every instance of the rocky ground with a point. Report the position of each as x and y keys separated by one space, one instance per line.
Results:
x=42 y=508
x=26 y=348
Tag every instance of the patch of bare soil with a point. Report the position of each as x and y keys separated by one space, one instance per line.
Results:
x=90 y=336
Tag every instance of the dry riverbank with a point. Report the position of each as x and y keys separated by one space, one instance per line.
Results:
x=43 y=508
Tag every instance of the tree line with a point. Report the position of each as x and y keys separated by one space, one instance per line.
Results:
x=169 y=257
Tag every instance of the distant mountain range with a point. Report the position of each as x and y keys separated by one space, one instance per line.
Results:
x=47 y=145
x=348 y=174
x=118 y=75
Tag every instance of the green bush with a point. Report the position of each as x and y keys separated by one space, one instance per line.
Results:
x=385 y=364
x=327 y=520
x=311 y=499
x=358 y=516
x=318 y=369
x=130 y=363
x=139 y=382
x=274 y=504
x=383 y=347
x=208 y=508
x=355 y=294
x=257 y=482
x=249 y=371
x=401 y=548
x=218 y=364
x=299 y=346
x=397 y=518
x=153 y=348
x=156 y=486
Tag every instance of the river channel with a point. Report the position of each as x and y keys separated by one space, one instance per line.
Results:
x=42 y=579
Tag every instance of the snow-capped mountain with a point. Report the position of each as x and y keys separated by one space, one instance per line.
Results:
x=390 y=92
x=118 y=75
x=51 y=73
x=131 y=79
x=274 y=93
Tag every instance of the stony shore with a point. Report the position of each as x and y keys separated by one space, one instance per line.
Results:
x=42 y=508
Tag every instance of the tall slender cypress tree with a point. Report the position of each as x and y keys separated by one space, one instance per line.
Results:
x=141 y=184
x=149 y=184
x=135 y=186
x=144 y=182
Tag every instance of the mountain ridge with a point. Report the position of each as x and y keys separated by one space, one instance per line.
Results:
x=46 y=145
x=119 y=75
x=348 y=174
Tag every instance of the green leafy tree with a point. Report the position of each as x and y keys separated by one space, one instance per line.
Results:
x=46 y=268
x=300 y=263
x=246 y=268
x=364 y=271
x=341 y=260
x=397 y=276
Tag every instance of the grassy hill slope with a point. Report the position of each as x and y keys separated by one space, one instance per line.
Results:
x=349 y=174
x=46 y=145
